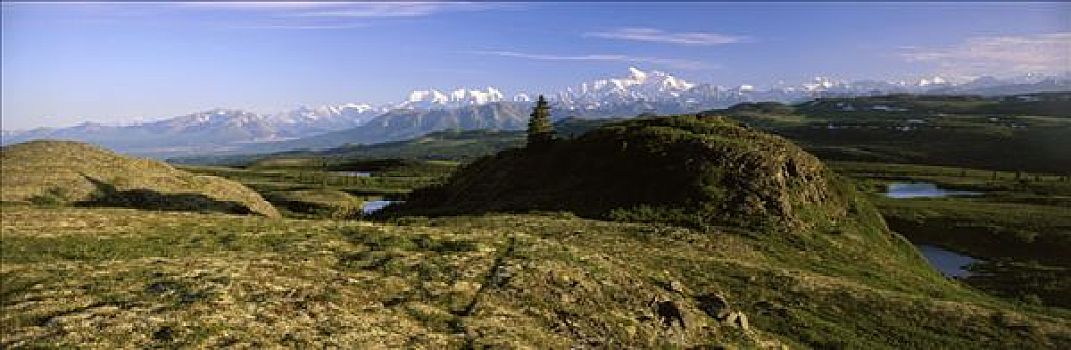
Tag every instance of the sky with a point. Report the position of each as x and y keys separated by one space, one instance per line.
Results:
x=65 y=63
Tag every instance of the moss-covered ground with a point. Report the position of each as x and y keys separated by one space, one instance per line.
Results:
x=107 y=278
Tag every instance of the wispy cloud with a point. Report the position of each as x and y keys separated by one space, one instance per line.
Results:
x=284 y=25
x=281 y=15
x=334 y=15
x=999 y=54
x=258 y=5
x=669 y=62
x=350 y=9
x=661 y=36
x=384 y=10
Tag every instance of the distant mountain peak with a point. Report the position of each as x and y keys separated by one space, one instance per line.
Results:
x=637 y=74
x=427 y=96
x=522 y=97
x=935 y=80
x=638 y=85
x=433 y=98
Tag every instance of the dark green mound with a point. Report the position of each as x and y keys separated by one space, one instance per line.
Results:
x=683 y=169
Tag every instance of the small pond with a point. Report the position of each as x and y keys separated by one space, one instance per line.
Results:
x=949 y=263
x=922 y=190
x=374 y=206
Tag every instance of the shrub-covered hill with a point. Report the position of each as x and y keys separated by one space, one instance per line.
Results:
x=66 y=172
x=699 y=171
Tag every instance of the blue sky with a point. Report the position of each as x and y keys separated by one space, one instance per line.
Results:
x=67 y=63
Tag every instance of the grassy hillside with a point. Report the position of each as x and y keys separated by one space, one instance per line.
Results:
x=124 y=278
x=1029 y=132
x=319 y=187
x=64 y=172
x=685 y=169
x=1018 y=215
x=1020 y=225
x=1055 y=104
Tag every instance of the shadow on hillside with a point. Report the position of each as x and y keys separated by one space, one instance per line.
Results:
x=142 y=198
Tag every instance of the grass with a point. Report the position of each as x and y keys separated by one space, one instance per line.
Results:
x=120 y=278
x=315 y=203
x=1020 y=226
x=1020 y=215
x=683 y=169
x=966 y=131
x=66 y=173
x=313 y=187
x=109 y=278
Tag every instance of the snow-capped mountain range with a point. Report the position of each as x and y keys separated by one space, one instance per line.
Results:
x=432 y=98
x=637 y=92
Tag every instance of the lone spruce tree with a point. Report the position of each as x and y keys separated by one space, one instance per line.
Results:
x=540 y=131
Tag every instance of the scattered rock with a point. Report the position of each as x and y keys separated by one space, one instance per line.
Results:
x=158 y=287
x=675 y=286
x=737 y=319
x=501 y=277
x=668 y=312
x=714 y=305
x=164 y=334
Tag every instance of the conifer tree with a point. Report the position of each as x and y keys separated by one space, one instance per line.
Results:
x=540 y=131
